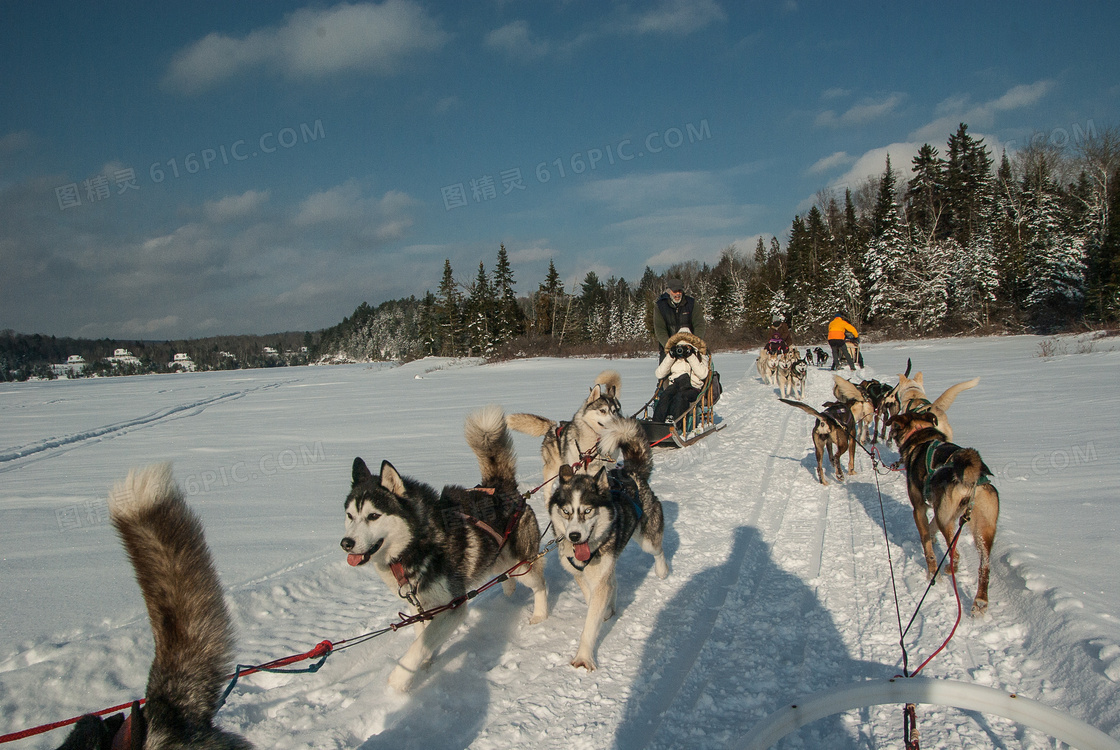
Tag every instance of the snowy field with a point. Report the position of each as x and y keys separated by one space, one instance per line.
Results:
x=779 y=586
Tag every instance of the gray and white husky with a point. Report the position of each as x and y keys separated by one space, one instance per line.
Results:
x=595 y=516
x=190 y=624
x=432 y=547
x=565 y=442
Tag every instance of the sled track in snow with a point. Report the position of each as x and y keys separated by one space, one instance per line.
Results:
x=668 y=694
x=20 y=455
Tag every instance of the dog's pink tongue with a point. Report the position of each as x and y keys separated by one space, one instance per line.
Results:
x=583 y=551
x=356 y=560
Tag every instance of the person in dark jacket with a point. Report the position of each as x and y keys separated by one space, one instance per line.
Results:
x=676 y=311
x=781 y=338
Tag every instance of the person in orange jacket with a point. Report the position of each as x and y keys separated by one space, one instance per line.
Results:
x=839 y=330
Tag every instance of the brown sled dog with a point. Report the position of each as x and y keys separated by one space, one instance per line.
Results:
x=911 y=395
x=190 y=624
x=565 y=442
x=834 y=433
x=954 y=481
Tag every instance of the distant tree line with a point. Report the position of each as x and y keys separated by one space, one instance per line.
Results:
x=23 y=356
x=1031 y=244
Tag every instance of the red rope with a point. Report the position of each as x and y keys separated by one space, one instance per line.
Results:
x=321 y=649
x=957 y=592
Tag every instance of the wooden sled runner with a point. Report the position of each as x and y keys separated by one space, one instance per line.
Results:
x=698 y=421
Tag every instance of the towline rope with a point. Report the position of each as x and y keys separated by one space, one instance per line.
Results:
x=321 y=651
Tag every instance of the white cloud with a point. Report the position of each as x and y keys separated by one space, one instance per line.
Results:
x=516 y=40
x=955 y=110
x=234 y=207
x=860 y=114
x=18 y=140
x=312 y=44
x=838 y=159
x=345 y=210
x=677 y=17
x=872 y=164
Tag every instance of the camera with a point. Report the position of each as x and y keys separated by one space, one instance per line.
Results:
x=681 y=351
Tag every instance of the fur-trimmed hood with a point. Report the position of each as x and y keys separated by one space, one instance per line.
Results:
x=687 y=337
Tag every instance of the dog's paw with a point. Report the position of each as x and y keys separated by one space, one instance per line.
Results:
x=661 y=568
x=979 y=609
x=538 y=618
x=401 y=679
x=584 y=661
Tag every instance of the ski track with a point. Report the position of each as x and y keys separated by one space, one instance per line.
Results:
x=17 y=456
x=781 y=589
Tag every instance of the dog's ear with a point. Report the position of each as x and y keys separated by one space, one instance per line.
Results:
x=596 y=392
x=566 y=474
x=918 y=379
x=359 y=473
x=391 y=479
x=601 y=478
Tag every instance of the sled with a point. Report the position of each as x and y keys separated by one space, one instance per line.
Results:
x=698 y=421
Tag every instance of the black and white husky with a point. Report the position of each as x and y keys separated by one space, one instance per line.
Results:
x=432 y=547
x=566 y=442
x=190 y=624
x=595 y=516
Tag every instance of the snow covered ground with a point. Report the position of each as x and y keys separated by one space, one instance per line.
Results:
x=780 y=586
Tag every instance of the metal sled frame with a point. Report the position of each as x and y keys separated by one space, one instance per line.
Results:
x=695 y=424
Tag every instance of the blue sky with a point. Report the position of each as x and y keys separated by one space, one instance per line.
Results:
x=188 y=169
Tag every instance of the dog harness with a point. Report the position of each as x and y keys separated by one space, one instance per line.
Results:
x=929 y=458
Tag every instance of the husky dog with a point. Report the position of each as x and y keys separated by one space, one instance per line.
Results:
x=763 y=365
x=791 y=374
x=911 y=395
x=953 y=481
x=860 y=404
x=565 y=442
x=822 y=356
x=834 y=433
x=798 y=373
x=432 y=547
x=594 y=518
x=190 y=624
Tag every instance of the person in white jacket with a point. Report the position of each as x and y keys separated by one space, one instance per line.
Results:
x=685 y=368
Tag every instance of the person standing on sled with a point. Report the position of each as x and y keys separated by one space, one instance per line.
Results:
x=781 y=339
x=685 y=370
x=839 y=330
x=676 y=311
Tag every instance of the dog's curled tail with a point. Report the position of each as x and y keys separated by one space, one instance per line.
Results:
x=492 y=444
x=946 y=399
x=625 y=434
x=610 y=379
x=968 y=465
x=531 y=424
x=190 y=623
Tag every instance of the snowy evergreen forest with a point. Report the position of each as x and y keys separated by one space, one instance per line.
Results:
x=965 y=244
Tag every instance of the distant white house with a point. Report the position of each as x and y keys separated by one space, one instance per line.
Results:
x=123 y=357
x=271 y=352
x=73 y=366
x=182 y=362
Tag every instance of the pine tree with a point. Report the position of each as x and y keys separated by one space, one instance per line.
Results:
x=885 y=200
x=510 y=320
x=967 y=179
x=925 y=193
x=449 y=313
x=1056 y=259
x=887 y=258
x=481 y=316
x=592 y=307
